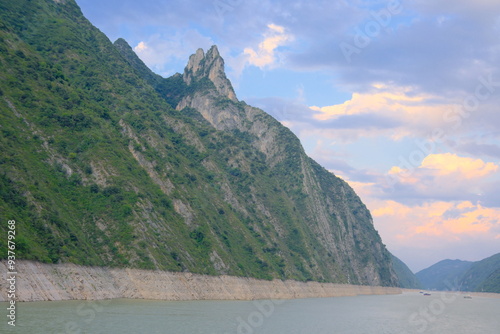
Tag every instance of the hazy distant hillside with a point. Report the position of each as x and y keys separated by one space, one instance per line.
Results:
x=105 y=163
x=443 y=275
x=406 y=277
x=491 y=283
x=482 y=275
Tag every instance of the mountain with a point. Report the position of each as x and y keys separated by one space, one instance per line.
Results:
x=460 y=275
x=406 y=277
x=483 y=275
x=443 y=275
x=105 y=163
x=491 y=283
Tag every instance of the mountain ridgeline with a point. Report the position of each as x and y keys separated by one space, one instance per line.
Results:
x=457 y=275
x=105 y=163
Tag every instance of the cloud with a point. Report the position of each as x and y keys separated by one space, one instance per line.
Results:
x=433 y=228
x=385 y=111
x=434 y=219
x=266 y=53
x=141 y=47
x=436 y=50
x=464 y=41
x=462 y=167
x=380 y=98
x=167 y=54
x=392 y=208
x=470 y=147
x=441 y=177
x=402 y=110
x=437 y=230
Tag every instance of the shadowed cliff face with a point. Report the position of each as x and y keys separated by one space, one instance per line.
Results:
x=108 y=164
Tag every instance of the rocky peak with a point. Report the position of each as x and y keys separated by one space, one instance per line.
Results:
x=211 y=66
x=193 y=65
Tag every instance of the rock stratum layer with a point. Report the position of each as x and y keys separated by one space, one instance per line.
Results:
x=43 y=282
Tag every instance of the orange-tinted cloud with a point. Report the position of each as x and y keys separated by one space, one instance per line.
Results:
x=445 y=175
x=448 y=163
x=449 y=220
x=411 y=109
x=391 y=208
x=427 y=223
x=480 y=220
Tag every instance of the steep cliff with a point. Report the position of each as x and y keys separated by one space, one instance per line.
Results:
x=105 y=163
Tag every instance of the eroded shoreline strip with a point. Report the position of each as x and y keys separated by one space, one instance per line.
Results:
x=50 y=282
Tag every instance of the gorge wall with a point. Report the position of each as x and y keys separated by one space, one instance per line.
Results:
x=106 y=164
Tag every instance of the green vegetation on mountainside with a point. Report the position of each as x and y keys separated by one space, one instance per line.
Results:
x=98 y=168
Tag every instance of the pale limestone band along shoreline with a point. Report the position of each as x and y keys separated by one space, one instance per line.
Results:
x=39 y=281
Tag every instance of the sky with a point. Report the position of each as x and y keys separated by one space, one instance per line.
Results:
x=399 y=98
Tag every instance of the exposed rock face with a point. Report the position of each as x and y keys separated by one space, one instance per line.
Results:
x=211 y=66
x=39 y=282
x=339 y=220
x=108 y=164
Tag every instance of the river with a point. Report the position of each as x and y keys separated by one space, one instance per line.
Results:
x=410 y=312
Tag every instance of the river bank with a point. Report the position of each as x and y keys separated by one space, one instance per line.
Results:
x=37 y=281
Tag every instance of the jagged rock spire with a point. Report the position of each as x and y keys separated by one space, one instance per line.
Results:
x=211 y=66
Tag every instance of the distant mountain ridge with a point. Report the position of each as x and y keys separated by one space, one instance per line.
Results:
x=460 y=275
x=108 y=164
x=482 y=275
x=443 y=275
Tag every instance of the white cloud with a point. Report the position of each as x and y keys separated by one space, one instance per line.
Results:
x=141 y=47
x=415 y=112
x=266 y=53
x=167 y=54
x=442 y=176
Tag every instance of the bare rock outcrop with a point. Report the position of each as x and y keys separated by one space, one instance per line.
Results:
x=210 y=65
